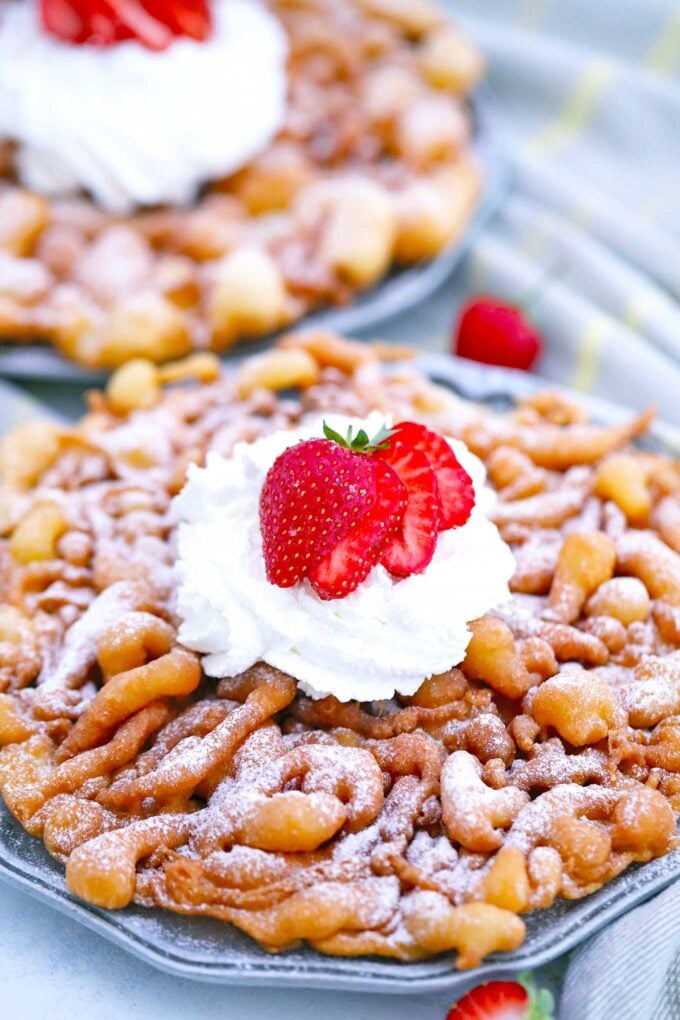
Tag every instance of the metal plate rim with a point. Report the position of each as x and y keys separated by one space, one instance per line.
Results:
x=269 y=975
x=474 y=382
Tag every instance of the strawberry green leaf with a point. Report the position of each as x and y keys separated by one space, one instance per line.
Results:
x=541 y=1001
x=382 y=438
x=330 y=433
x=361 y=443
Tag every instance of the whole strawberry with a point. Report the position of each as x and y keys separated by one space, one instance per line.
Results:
x=504 y=1000
x=495 y=333
x=314 y=493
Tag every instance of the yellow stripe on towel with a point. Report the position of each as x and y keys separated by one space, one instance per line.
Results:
x=641 y=305
x=664 y=54
x=588 y=355
x=532 y=14
x=580 y=105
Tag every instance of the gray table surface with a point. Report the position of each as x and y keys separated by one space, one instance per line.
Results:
x=54 y=969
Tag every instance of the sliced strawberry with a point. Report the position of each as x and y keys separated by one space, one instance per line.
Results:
x=497 y=1000
x=456 y=490
x=353 y=558
x=62 y=19
x=191 y=18
x=150 y=31
x=411 y=547
x=102 y=25
x=153 y=23
x=314 y=493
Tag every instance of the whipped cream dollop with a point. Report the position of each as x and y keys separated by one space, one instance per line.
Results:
x=137 y=127
x=389 y=635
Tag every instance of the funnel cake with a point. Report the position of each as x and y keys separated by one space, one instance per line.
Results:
x=371 y=168
x=540 y=767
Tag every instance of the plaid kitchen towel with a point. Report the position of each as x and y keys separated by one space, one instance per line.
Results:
x=589 y=95
x=631 y=970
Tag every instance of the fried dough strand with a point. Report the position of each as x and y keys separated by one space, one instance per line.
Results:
x=541 y=766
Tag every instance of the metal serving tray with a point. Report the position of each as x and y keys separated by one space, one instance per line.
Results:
x=403 y=289
x=209 y=950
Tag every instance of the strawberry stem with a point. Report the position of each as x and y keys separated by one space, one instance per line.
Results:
x=361 y=442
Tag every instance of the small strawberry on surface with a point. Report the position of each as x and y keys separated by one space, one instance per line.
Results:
x=495 y=333
x=504 y=1000
x=332 y=509
x=153 y=23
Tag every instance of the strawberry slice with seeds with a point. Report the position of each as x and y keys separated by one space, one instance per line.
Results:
x=456 y=490
x=313 y=495
x=412 y=545
x=352 y=559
